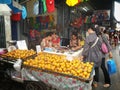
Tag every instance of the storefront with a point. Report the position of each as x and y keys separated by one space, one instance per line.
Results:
x=51 y=68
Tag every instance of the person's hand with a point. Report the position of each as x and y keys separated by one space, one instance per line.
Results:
x=110 y=55
x=73 y=48
x=81 y=58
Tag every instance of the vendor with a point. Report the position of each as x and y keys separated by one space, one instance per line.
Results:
x=82 y=41
x=75 y=42
x=46 y=41
x=55 y=40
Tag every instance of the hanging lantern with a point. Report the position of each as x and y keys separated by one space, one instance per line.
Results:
x=71 y=2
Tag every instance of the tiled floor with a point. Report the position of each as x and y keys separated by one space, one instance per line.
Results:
x=7 y=84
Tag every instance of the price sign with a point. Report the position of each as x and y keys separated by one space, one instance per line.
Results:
x=38 y=48
x=22 y=45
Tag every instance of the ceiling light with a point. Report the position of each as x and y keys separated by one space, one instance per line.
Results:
x=85 y=9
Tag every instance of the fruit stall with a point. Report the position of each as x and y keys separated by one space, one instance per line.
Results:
x=55 y=70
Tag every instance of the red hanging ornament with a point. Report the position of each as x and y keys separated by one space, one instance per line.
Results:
x=50 y=5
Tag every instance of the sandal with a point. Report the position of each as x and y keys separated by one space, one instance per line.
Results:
x=106 y=85
x=95 y=84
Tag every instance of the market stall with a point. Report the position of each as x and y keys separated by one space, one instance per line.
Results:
x=54 y=69
x=57 y=81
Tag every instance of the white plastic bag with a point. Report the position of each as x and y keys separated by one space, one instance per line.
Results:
x=17 y=65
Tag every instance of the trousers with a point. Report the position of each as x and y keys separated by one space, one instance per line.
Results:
x=105 y=73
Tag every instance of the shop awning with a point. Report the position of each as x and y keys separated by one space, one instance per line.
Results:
x=4 y=9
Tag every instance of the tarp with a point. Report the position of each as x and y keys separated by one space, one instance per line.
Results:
x=5 y=1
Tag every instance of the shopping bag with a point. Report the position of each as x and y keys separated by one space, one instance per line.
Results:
x=17 y=65
x=112 y=69
x=104 y=48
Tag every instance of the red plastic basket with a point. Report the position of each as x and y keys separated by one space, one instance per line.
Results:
x=16 y=17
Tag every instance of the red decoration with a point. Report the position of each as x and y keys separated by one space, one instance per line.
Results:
x=50 y=5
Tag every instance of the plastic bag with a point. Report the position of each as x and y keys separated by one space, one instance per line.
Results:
x=17 y=65
x=36 y=8
x=24 y=12
x=112 y=69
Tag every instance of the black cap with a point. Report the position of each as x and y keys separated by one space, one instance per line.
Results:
x=91 y=26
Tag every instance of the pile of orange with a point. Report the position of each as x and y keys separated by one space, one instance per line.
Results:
x=59 y=63
x=20 y=53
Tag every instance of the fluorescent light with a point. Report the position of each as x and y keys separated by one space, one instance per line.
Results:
x=84 y=8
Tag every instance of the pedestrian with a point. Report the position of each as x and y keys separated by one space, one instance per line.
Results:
x=92 y=52
x=116 y=39
x=104 y=38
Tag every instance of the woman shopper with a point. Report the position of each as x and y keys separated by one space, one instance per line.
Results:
x=103 y=67
x=92 y=52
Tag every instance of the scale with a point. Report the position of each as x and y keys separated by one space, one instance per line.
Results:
x=12 y=45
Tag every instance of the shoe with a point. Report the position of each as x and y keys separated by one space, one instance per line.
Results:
x=95 y=84
x=106 y=85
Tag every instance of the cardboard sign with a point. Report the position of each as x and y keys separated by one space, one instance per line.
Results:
x=38 y=48
x=22 y=45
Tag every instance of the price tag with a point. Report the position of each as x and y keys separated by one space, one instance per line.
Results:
x=38 y=48
x=22 y=45
x=69 y=57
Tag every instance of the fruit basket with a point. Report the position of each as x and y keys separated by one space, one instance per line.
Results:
x=57 y=64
